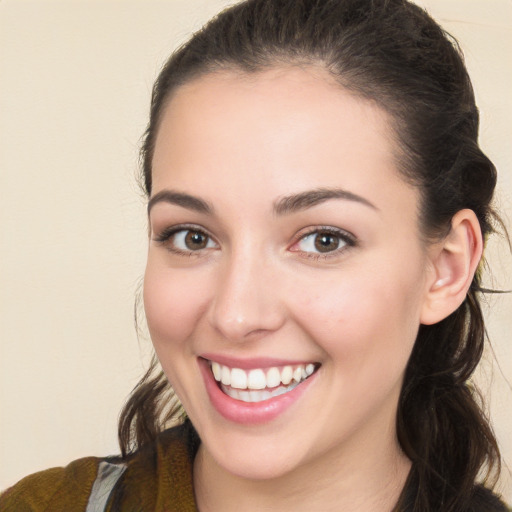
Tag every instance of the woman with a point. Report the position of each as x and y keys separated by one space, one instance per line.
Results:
x=317 y=203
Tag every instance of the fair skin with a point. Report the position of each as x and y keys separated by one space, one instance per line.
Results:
x=335 y=282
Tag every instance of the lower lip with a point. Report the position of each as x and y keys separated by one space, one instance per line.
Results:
x=249 y=413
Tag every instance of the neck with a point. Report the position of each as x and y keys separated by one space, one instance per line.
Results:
x=361 y=479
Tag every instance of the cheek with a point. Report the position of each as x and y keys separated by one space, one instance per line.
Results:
x=363 y=318
x=172 y=305
x=366 y=329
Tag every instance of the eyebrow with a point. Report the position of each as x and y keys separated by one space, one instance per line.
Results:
x=310 y=198
x=283 y=206
x=181 y=199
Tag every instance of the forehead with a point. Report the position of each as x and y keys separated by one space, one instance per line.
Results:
x=281 y=128
x=260 y=104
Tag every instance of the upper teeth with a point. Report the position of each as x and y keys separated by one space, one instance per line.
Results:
x=260 y=378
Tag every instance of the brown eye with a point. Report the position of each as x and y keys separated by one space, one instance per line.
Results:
x=195 y=240
x=188 y=241
x=326 y=242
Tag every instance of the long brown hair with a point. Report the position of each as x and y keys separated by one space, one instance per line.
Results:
x=393 y=53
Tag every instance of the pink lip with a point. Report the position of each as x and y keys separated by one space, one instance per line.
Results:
x=246 y=413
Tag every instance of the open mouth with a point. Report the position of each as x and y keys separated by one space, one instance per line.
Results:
x=260 y=384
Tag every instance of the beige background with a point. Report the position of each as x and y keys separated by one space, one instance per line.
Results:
x=75 y=79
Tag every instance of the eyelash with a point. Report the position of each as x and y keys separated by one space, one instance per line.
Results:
x=165 y=236
x=348 y=239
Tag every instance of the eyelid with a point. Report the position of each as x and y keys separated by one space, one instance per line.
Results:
x=165 y=233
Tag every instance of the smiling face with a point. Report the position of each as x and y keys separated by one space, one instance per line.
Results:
x=286 y=273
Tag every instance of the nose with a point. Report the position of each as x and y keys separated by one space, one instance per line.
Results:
x=246 y=303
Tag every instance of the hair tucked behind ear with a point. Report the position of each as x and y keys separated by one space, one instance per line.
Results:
x=390 y=52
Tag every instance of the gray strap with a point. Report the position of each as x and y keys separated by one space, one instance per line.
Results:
x=108 y=475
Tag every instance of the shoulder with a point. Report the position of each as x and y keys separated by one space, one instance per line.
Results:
x=158 y=476
x=56 y=489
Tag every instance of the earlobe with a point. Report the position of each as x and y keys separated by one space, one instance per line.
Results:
x=454 y=262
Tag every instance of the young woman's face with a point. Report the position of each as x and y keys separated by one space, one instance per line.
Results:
x=285 y=259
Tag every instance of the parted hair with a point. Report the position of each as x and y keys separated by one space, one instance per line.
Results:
x=393 y=53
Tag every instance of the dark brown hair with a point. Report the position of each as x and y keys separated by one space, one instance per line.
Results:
x=393 y=53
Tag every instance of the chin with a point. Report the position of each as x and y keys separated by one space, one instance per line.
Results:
x=252 y=455
x=259 y=468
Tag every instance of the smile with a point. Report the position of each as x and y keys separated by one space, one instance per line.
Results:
x=260 y=384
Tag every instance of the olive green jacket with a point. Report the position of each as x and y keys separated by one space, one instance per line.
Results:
x=157 y=479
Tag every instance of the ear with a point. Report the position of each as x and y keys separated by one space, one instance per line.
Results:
x=454 y=262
